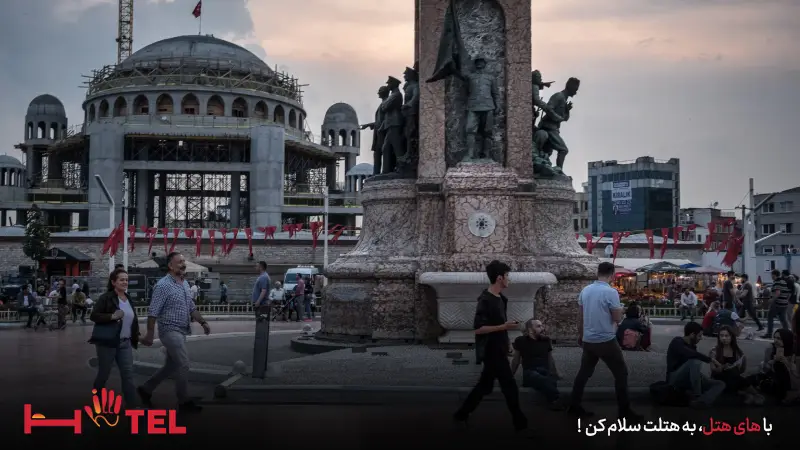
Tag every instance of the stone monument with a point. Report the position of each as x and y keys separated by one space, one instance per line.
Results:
x=419 y=264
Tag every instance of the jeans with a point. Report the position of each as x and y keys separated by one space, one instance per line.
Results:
x=688 y=377
x=32 y=311
x=611 y=354
x=749 y=308
x=123 y=357
x=307 y=306
x=691 y=309
x=298 y=307
x=495 y=366
x=541 y=381
x=778 y=311
x=75 y=309
x=177 y=364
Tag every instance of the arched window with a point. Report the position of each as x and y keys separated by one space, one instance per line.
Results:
x=190 y=105
x=141 y=106
x=215 y=106
x=164 y=104
x=42 y=132
x=91 y=113
x=292 y=118
x=331 y=138
x=261 y=110
x=342 y=137
x=54 y=131
x=29 y=131
x=120 y=107
x=278 y=115
x=103 y=110
x=354 y=138
x=239 y=107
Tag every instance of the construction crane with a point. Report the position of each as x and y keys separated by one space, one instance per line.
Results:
x=125 y=30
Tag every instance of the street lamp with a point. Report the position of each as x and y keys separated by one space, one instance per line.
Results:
x=325 y=230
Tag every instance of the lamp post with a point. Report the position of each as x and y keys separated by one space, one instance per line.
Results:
x=112 y=206
x=325 y=229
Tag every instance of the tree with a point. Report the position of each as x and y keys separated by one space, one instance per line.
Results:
x=37 y=236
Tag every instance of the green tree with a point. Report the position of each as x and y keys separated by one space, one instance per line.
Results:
x=37 y=236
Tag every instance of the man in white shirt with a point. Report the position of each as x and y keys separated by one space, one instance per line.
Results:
x=688 y=304
x=195 y=290
x=75 y=286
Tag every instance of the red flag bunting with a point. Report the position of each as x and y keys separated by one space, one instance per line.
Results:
x=710 y=237
x=211 y=234
x=676 y=234
x=664 y=241
x=316 y=230
x=189 y=233
x=119 y=236
x=249 y=233
x=337 y=235
x=235 y=232
x=198 y=242
x=175 y=233
x=224 y=233
x=734 y=249
x=649 y=235
x=198 y=9
x=165 y=232
x=151 y=234
x=615 y=240
x=691 y=227
x=131 y=237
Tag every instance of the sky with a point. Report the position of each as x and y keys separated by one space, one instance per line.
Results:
x=712 y=82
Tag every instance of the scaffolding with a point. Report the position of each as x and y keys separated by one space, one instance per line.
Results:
x=191 y=71
x=187 y=149
x=304 y=174
x=197 y=200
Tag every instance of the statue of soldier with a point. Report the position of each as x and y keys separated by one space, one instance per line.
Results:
x=482 y=107
x=541 y=163
x=378 y=132
x=411 y=117
x=392 y=124
x=548 y=137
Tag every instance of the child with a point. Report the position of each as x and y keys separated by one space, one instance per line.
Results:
x=535 y=351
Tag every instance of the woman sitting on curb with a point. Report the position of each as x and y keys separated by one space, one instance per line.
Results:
x=733 y=364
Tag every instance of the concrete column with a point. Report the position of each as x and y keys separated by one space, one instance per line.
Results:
x=2 y=177
x=142 y=197
x=105 y=159
x=162 y=199
x=266 y=175
x=3 y=218
x=31 y=158
x=347 y=183
x=54 y=168
x=236 y=203
x=330 y=176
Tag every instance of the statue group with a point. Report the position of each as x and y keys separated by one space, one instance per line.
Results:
x=547 y=133
x=395 y=143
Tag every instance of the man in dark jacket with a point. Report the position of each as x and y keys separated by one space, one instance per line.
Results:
x=492 y=346
x=26 y=301
x=683 y=367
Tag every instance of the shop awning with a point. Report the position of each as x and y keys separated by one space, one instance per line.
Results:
x=66 y=254
x=661 y=267
x=708 y=269
x=633 y=264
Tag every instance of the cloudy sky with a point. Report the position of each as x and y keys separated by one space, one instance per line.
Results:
x=712 y=82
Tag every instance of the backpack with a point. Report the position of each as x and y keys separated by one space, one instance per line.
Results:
x=723 y=318
x=630 y=339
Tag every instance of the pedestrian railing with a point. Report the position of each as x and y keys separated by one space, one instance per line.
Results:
x=670 y=312
x=141 y=311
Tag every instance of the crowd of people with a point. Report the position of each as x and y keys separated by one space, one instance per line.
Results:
x=606 y=328
x=68 y=301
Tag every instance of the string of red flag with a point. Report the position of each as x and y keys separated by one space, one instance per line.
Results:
x=116 y=237
x=733 y=245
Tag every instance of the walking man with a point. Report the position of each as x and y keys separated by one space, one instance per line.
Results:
x=779 y=303
x=747 y=297
x=492 y=347
x=173 y=309
x=261 y=288
x=599 y=311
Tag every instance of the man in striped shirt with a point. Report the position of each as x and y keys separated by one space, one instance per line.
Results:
x=173 y=309
x=779 y=303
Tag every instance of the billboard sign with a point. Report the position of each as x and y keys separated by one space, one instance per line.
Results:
x=621 y=197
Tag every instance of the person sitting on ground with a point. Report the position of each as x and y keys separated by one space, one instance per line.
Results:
x=688 y=304
x=632 y=333
x=684 y=364
x=535 y=351
x=709 y=318
x=779 y=377
x=79 y=304
x=733 y=364
x=728 y=317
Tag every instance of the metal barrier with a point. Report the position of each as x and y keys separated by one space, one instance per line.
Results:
x=672 y=312
x=141 y=311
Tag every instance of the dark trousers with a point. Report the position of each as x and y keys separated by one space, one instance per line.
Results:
x=298 y=308
x=75 y=309
x=495 y=366
x=32 y=311
x=611 y=354
x=749 y=308
x=541 y=381
x=778 y=311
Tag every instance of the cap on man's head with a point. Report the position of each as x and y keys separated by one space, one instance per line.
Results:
x=392 y=80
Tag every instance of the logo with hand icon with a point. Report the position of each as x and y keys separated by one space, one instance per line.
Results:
x=105 y=407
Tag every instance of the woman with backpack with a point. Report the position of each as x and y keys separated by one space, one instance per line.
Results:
x=633 y=334
x=732 y=364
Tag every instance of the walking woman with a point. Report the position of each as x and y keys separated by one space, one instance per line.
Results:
x=115 y=334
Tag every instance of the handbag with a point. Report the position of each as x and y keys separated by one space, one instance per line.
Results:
x=106 y=334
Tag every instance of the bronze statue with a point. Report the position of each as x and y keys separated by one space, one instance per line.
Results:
x=451 y=47
x=548 y=135
x=378 y=133
x=482 y=107
x=541 y=163
x=393 y=126
x=410 y=109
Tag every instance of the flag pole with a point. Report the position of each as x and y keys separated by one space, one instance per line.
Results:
x=200 y=27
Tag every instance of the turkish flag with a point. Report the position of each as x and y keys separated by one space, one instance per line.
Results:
x=198 y=9
x=649 y=235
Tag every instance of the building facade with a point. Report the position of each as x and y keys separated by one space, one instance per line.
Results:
x=633 y=195
x=580 y=211
x=781 y=214
x=720 y=229
x=188 y=132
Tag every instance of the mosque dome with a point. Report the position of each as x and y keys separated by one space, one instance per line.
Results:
x=340 y=113
x=46 y=105
x=10 y=161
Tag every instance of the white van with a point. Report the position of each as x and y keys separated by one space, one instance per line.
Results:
x=290 y=279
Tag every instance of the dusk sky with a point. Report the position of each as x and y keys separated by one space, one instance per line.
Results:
x=715 y=83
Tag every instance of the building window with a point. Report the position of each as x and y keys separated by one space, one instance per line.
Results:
x=786 y=206
x=768 y=250
x=769 y=265
x=585 y=206
x=575 y=224
x=585 y=223
x=768 y=228
x=786 y=228
x=575 y=208
x=768 y=208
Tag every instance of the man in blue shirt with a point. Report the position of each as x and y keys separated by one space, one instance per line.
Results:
x=599 y=313
x=261 y=287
